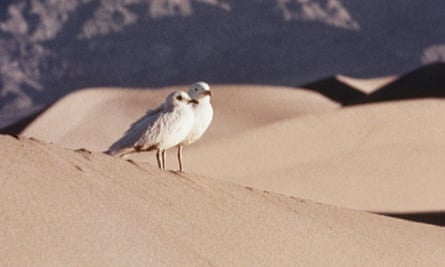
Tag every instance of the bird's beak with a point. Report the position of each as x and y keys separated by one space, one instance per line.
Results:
x=209 y=93
x=194 y=101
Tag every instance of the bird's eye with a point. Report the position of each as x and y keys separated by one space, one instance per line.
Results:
x=196 y=89
x=179 y=97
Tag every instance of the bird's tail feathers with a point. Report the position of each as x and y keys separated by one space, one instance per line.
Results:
x=119 y=152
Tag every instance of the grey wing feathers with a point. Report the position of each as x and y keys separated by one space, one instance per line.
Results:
x=126 y=144
x=154 y=111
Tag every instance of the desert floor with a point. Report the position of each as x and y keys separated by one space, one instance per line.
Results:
x=283 y=177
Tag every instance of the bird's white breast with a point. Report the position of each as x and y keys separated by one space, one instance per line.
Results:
x=177 y=126
x=203 y=113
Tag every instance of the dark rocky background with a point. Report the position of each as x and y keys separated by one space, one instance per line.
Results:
x=50 y=48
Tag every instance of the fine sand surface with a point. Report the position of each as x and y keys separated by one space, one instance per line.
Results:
x=383 y=157
x=61 y=207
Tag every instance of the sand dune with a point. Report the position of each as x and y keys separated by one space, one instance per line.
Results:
x=385 y=157
x=335 y=89
x=425 y=82
x=379 y=157
x=285 y=176
x=346 y=90
x=94 y=118
x=71 y=208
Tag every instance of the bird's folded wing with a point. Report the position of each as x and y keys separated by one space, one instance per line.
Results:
x=137 y=131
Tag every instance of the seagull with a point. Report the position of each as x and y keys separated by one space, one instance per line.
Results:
x=160 y=128
x=203 y=111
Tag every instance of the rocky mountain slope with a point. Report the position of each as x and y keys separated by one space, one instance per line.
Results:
x=49 y=48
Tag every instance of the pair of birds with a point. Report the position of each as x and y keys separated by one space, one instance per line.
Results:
x=181 y=120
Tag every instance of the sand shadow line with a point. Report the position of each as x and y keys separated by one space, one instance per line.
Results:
x=434 y=217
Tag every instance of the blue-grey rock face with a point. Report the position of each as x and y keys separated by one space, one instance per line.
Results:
x=49 y=48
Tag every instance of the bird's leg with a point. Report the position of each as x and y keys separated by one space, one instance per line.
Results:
x=164 y=159
x=158 y=158
x=180 y=147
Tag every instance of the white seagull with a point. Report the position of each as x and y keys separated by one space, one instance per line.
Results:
x=160 y=129
x=203 y=111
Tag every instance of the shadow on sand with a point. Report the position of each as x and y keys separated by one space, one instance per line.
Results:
x=424 y=82
x=434 y=217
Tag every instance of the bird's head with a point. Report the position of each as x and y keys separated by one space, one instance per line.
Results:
x=180 y=98
x=199 y=90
